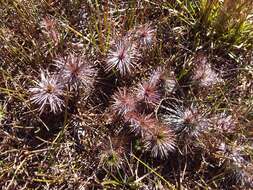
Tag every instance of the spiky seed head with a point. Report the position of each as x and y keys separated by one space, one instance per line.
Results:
x=204 y=74
x=192 y=123
x=159 y=140
x=148 y=93
x=145 y=35
x=185 y=121
x=76 y=71
x=139 y=123
x=50 y=28
x=123 y=102
x=48 y=93
x=122 y=56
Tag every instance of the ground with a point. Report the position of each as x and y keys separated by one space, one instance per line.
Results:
x=140 y=94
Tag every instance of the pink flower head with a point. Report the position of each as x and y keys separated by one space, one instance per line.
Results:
x=189 y=116
x=160 y=140
x=204 y=74
x=50 y=28
x=148 y=92
x=76 y=71
x=146 y=34
x=48 y=92
x=139 y=122
x=122 y=56
x=123 y=102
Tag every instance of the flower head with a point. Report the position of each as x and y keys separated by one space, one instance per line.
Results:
x=145 y=34
x=184 y=120
x=122 y=56
x=139 y=123
x=148 y=93
x=48 y=92
x=160 y=140
x=50 y=28
x=204 y=74
x=76 y=71
x=123 y=102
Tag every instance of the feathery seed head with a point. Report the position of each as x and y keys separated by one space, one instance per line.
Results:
x=139 y=123
x=189 y=116
x=183 y=120
x=50 y=28
x=123 y=102
x=160 y=140
x=76 y=71
x=148 y=93
x=204 y=74
x=145 y=34
x=48 y=92
x=122 y=56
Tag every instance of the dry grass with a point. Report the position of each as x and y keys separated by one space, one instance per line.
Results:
x=200 y=58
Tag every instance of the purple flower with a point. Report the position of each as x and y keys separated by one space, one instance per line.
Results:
x=122 y=56
x=48 y=93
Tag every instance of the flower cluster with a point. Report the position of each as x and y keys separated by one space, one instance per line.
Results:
x=49 y=90
x=136 y=107
x=122 y=56
x=124 y=52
